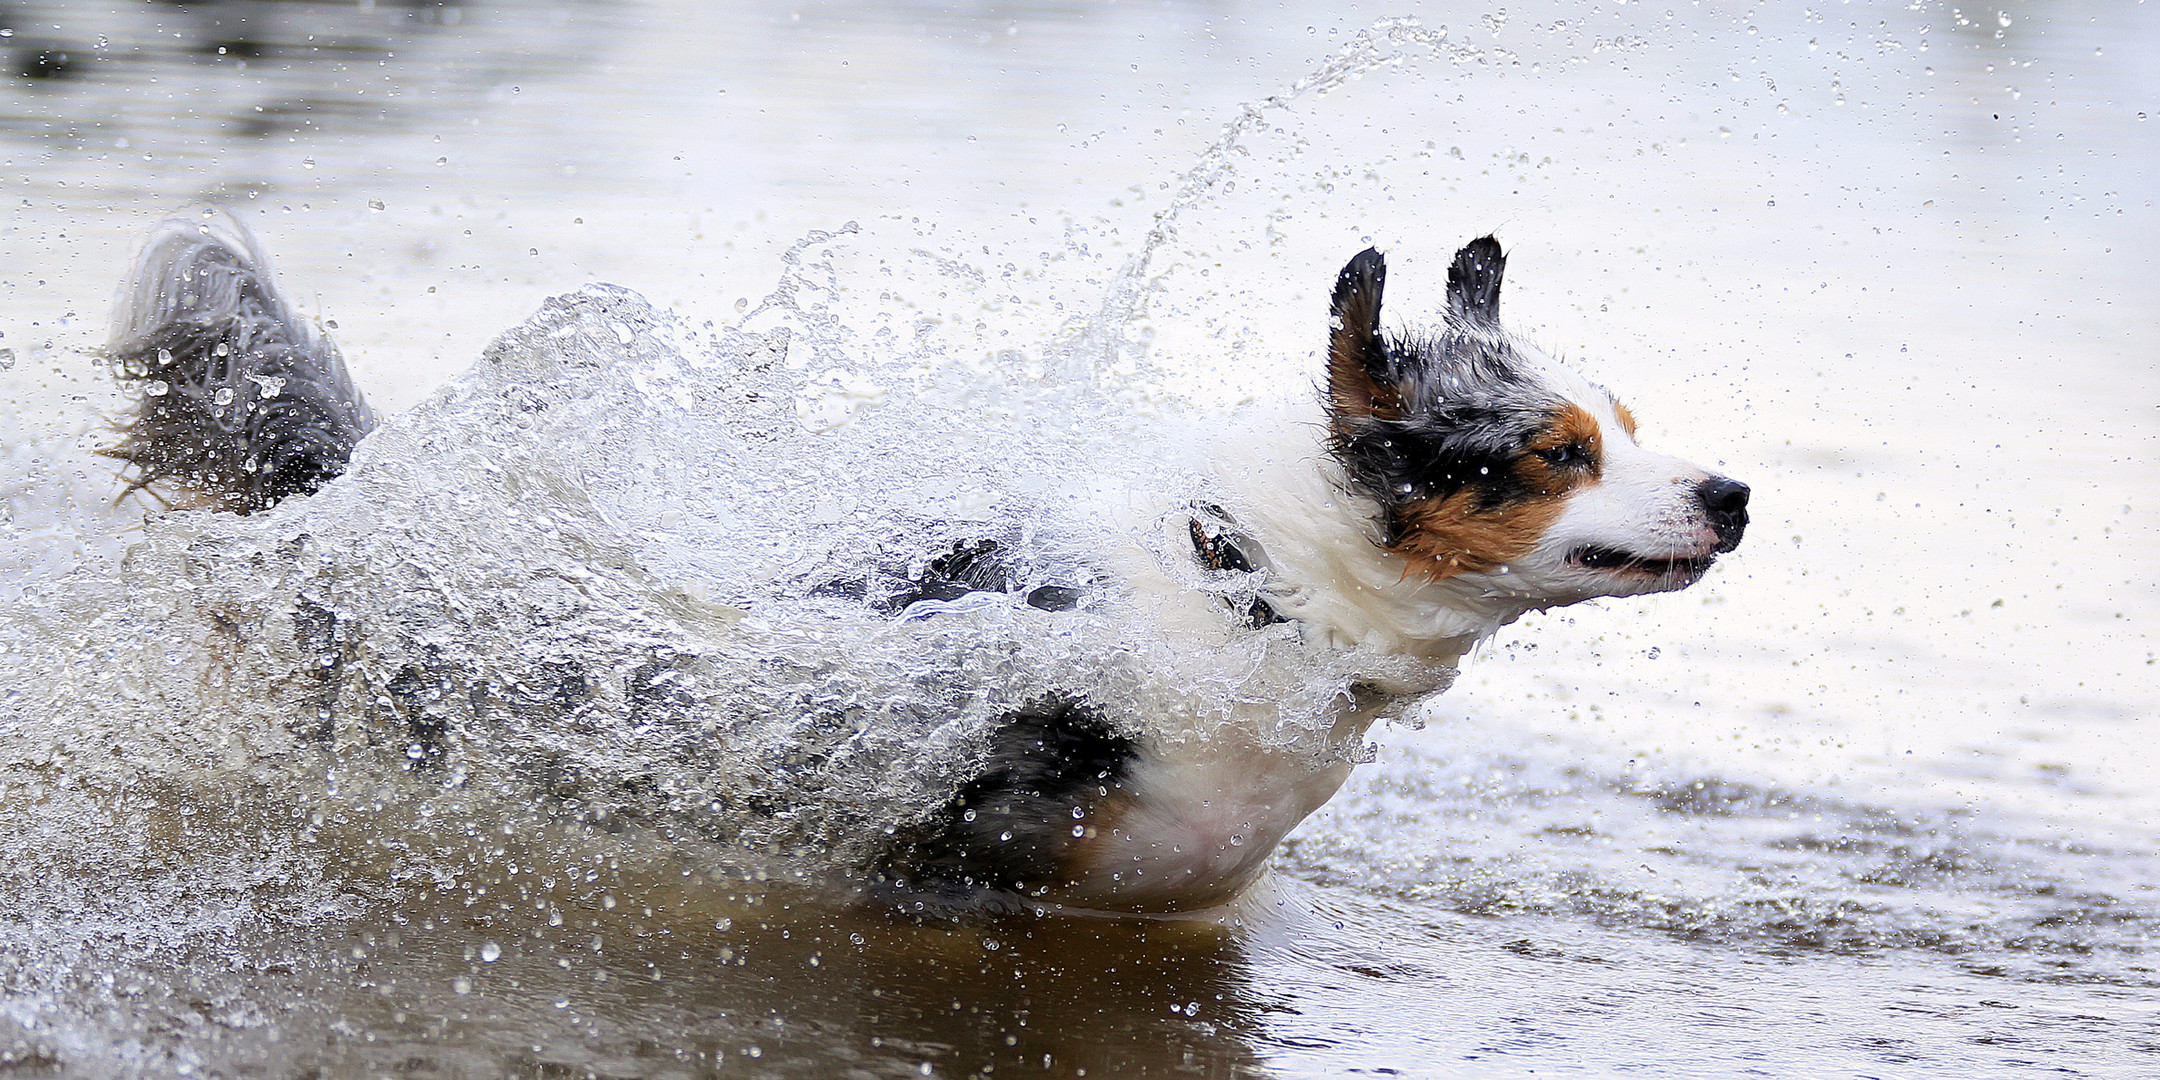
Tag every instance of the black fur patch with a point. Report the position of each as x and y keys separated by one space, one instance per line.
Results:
x=1473 y=282
x=1008 y=830
x=1217 y=549
x=970 y=567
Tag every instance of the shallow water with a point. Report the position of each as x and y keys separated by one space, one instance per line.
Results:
x=1873 y=800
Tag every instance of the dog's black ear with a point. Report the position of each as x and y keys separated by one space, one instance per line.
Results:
x=1473 y=283
x=1358 y=383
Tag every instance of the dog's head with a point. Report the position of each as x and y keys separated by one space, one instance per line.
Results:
x=1486 y=458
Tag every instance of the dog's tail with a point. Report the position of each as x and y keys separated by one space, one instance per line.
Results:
x=241 y=400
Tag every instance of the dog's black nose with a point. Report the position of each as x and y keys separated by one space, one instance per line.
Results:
x=1723 y=497
x=1725 y=503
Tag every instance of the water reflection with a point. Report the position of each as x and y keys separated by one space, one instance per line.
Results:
x=213 y=944
x=468 y=980
x=775 y=986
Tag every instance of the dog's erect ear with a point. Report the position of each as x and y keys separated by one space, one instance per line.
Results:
x=1358 y=383
x=1473 y=283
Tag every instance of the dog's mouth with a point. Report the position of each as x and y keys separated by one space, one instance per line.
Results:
x=1614 y=560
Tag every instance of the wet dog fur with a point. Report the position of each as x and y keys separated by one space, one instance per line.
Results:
x=242 y=402
x=1447 y=481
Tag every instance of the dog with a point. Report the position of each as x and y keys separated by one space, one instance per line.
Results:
x=1444 y=482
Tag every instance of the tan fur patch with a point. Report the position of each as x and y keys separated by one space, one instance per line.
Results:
x=1459 y=535
x=1086 y=853
x=1446 y=537
x=1352 y=391
x=1627 y=419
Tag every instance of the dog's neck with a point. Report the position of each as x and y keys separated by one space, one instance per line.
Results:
x=1327 y=572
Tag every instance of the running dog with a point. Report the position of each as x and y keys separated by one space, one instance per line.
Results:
x=1447 y=481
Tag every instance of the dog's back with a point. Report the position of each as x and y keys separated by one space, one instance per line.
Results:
x=243 y=402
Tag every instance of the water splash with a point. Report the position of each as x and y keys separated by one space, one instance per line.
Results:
x=1100 y=341
x=610 y=574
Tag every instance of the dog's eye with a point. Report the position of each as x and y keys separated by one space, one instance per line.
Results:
x=1573 y=455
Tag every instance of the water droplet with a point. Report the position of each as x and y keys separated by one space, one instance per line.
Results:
x=223 y=396
x=461 y=985
x=307 y=163
x=490 y=952
x=157 y=387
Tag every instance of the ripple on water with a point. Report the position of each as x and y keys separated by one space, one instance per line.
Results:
x=1494 y=830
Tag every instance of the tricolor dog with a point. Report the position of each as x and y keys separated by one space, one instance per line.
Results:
x=1447 y=480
